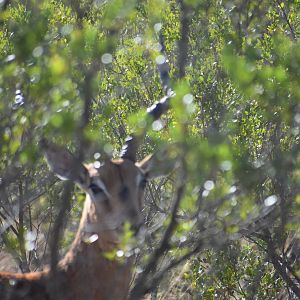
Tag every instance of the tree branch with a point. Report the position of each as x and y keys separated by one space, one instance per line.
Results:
x=141 y=286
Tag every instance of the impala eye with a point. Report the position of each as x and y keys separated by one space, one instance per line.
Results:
x=95 y=189
x=143 y=183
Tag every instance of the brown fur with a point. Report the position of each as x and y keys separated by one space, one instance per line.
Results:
x=84 y=273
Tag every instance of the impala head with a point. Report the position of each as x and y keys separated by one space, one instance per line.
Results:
x=114 y=189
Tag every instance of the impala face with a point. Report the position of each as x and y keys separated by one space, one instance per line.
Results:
x=116 y=189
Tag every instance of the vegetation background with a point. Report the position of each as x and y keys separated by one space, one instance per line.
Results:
x=225 y=223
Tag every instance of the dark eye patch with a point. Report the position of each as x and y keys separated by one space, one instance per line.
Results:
x=143 y=182
x=95 y=189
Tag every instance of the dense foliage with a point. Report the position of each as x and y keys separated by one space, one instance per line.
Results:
x=225 y=223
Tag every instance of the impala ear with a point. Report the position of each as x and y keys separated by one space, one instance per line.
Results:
x=64 y=164
x=156 y=165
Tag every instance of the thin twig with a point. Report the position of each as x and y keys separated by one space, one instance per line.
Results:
x=140 y=287
x=279 y=267
x=184 y=38
x=59 y=224
x=286 y=18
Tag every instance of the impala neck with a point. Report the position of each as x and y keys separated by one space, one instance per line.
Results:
x=92 y=234
x=85 y=263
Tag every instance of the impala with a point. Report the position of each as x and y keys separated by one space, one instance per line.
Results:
x=114 y=195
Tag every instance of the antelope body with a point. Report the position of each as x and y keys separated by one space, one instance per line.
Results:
x=114 y=195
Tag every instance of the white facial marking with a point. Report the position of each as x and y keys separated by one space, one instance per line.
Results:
x=103 y=187
x=138 y=179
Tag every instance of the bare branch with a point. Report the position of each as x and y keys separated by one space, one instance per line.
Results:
x=286 y=18
x=140 y=287
x=277 y=263
x=184 y=38
x=59 y=225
